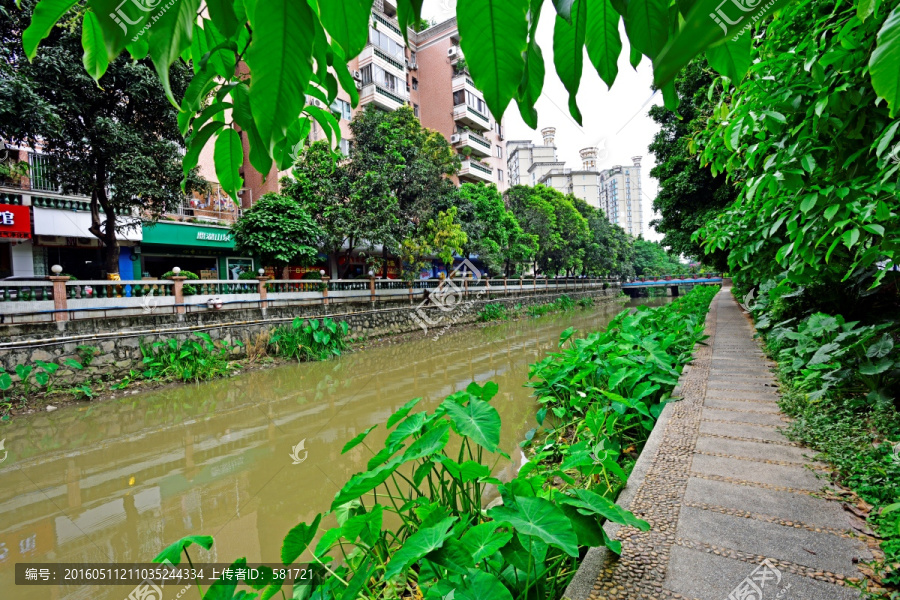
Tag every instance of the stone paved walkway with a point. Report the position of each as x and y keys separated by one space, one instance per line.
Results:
x=725 y=491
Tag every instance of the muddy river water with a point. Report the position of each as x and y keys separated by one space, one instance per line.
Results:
x=117 y=481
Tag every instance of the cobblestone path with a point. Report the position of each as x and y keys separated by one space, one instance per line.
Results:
x=737 y=510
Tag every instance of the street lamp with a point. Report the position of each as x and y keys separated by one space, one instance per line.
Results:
x=57 y=269
x=177 y=271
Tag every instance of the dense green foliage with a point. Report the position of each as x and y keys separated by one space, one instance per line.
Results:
x=412 y=525
x=651 y=259
x=840 y=381
x=194 y=360
x=187 y=289
x=689 y=196
x=810 y=145
x=310 y=340
x=115 y=140
x=603 y=393
x=278 y=230
x=298 y=51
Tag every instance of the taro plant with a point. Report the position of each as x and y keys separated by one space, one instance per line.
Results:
x=192 y=360
x=312 y=340
x=603 y=393
x=412 y=524
x=493 y=312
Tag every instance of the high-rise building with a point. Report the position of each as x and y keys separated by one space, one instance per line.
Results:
x=430 y=76
x=620 y=196
x=529 y=162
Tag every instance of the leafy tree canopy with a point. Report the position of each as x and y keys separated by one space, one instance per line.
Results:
x=650 y=258
x=115 y=140
x=689 y=196
x=278 y=230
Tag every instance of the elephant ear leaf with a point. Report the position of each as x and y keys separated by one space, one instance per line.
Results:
x=172 y=553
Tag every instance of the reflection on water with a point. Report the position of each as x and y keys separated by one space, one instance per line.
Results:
x=119 y=480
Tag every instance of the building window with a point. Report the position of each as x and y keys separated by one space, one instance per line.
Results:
x=499 y=151
x=381 y=39
x=374 y=73
x=345 y=146
x=470 y=99
x=40 y=173
x=416 y=109
x=415 y=83
x=500 y=175
x=342 y=109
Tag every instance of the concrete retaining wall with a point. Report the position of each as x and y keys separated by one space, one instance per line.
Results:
x=118 y=339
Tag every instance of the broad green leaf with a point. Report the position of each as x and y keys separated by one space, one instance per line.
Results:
x=885 y=61
x=539 y=518
x=478 y=421
x=412 y=424
x=808 y=163
x=298 y=539
x=172 y=553
x=647 y=25
x=494 y=37
x=431 y=441
x=5 y=381
x=169 y=37
x=591 y=502
x=221 y=13
x=479 y=585
x=602 y=39
x=568 y=52
x=347 y=22
x=229 y=157
x=95 y=59
x=259 y=154
x=880 y=348
x=731 y=59
x=699 y=31
x=279 y=58
x=363 y=483
x=223 y=588
x=869 y=368
x=418 y=545
x=409 y=12
x=564 y=9
x=634 y=56
x=532 y=84
x=357 y=440
x=809 y=202
x=45 y=16
x=344 y=76
x=401 y=412
x=864 y=9
x=484 y=540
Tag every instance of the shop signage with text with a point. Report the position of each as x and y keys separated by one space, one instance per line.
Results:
x=15 y=221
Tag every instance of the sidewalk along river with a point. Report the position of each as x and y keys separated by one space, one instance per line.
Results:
x=243 y=459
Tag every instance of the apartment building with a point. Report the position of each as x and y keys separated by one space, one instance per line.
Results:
x=620 y=196
x=431 y=77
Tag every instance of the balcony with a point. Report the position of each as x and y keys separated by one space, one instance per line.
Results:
x=388 y=22
x=480 y=146
x=474 y=171
x=468 y=116
x=464 y=80
x=374 y=54
x=382 y=97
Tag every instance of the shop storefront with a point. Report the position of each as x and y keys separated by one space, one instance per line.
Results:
x=15 y=241
x=62 y=237
x=206 y=250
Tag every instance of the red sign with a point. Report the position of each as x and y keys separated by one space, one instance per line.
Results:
x=15 y=221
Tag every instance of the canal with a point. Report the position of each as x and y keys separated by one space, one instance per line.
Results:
x=117 y=481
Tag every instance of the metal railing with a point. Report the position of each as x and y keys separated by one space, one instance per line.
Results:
x=61 y=299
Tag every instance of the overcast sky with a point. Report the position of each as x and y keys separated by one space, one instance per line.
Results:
x=614 y=120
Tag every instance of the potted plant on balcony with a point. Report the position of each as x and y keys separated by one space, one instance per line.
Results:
x=466 y=152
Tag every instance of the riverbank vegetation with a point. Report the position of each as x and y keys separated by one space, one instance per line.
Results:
x=497 y=311
x=412 y=524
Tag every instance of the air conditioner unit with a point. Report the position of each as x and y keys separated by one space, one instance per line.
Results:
x=359 y=84
x=412 y=65
x=357 y=75
x=452 y=51
x=454 y=139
